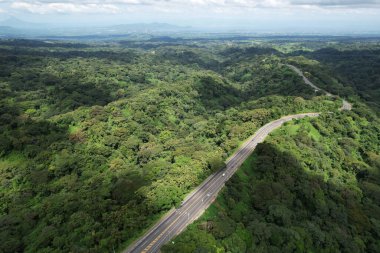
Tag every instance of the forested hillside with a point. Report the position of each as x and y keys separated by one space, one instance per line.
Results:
x=358 y=69
x=99 y=140
x=354 y=72
x=313 y=186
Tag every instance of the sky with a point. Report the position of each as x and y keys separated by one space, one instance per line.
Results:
x=310 y=16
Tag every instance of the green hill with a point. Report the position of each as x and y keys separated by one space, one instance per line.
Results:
x=99 y=140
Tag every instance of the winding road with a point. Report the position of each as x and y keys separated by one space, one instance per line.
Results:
x=346 y=105
x=201 y=198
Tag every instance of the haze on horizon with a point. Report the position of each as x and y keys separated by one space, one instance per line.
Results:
x=286 y=16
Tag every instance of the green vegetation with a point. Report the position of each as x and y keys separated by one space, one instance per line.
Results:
x=313 y=186
x=99 y=140
x=345 y=72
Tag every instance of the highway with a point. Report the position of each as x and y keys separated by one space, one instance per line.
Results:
x=346 y=105
x=201 y=198
x=175 y=221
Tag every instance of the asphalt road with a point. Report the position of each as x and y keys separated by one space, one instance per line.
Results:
x=201 y=198
x=346 y=105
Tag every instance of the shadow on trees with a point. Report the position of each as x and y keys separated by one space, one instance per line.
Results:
x=216 y=94
x=274 y=205
x=355 y=68
x=125 y=57
x=190 y=55
x=39 y=43
x=20 y=133
x=286 y=199
x=236 y=53
x=60 y=94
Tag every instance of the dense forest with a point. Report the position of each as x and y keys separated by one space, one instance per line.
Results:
x=313 y=186
x=99 y=140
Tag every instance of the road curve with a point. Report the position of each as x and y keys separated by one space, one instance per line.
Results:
x=346 y=105
x=202 y=197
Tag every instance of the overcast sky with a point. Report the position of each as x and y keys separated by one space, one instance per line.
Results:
x=261 y=15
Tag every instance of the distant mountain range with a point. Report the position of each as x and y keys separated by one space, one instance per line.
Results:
x=14 y=27
x=20 y=24
x=149 y=27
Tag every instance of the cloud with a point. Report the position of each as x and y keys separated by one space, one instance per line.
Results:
x=119 y=6
x=240 y=3
x=346 y=3
x=65 y=7
x=285 y=3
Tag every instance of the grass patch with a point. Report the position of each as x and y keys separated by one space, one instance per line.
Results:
x=73 y=129
x=313 y=132
x=245 y=171
x=293 y=127
x=211 y=212
x=127 y=112
x=14 y=158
